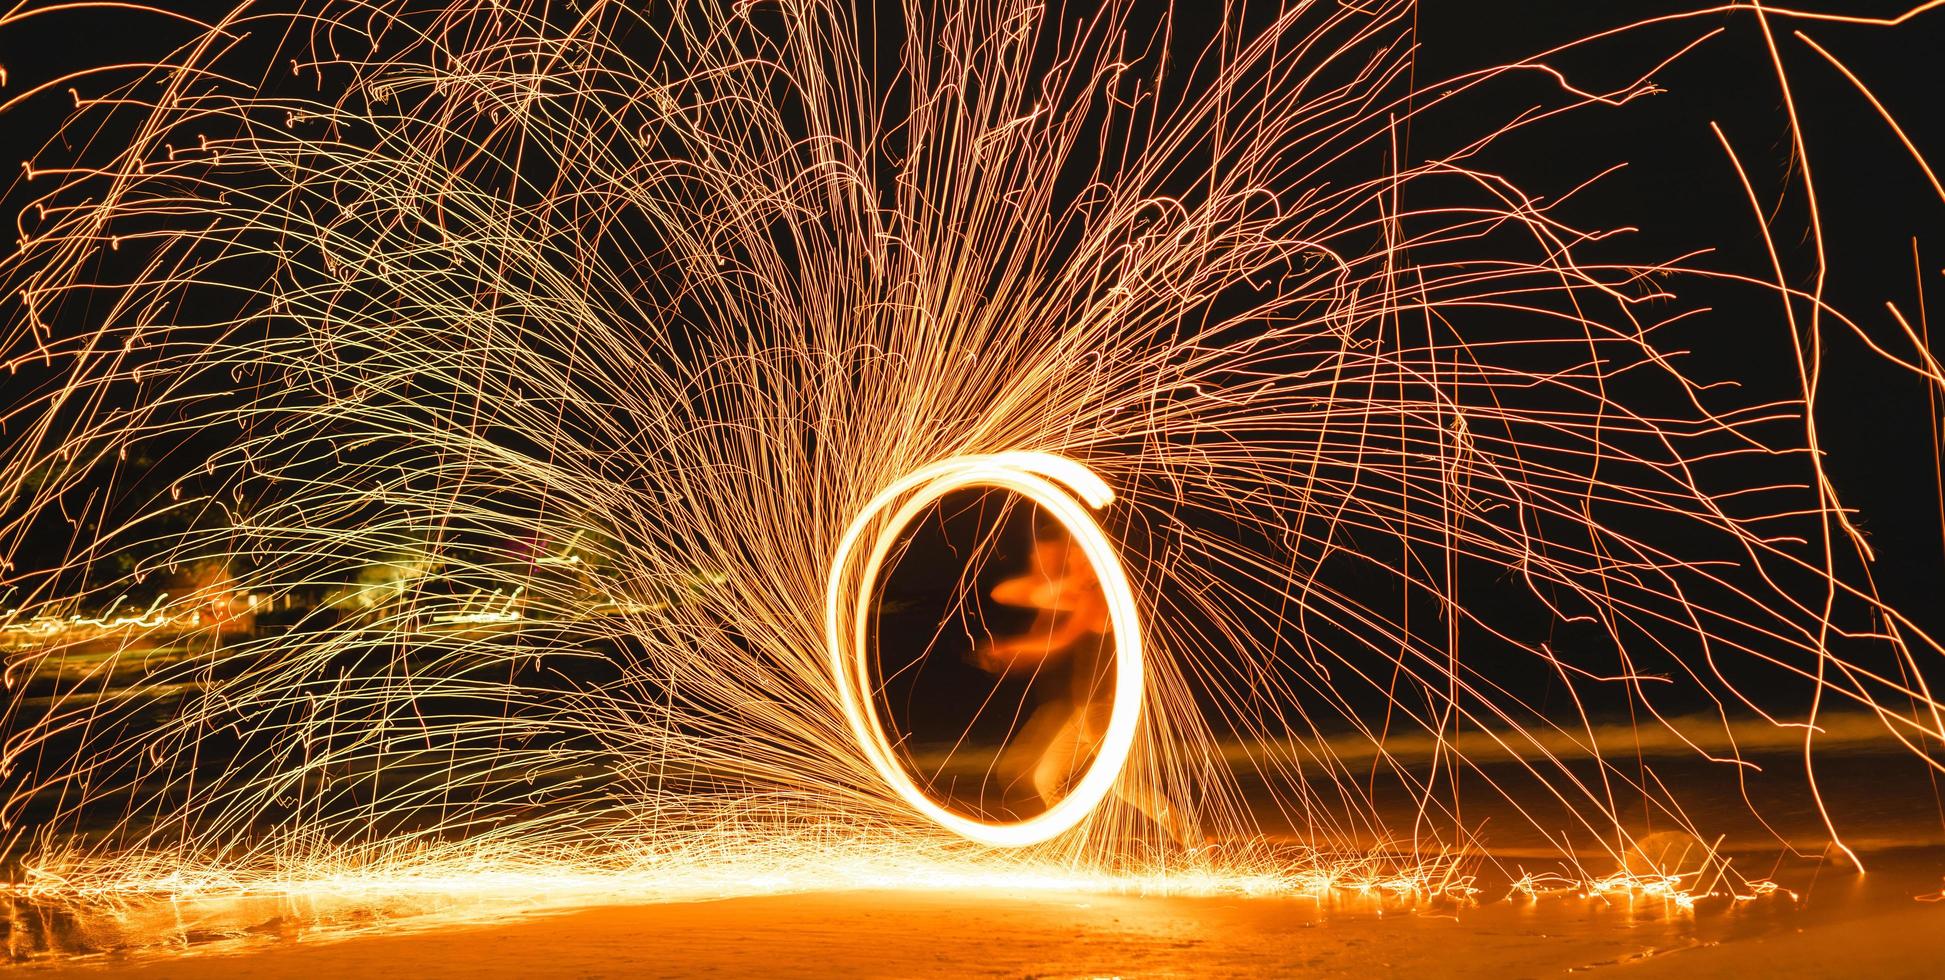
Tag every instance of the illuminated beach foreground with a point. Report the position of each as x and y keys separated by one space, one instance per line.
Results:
x=1098 y=488
x=899 y=934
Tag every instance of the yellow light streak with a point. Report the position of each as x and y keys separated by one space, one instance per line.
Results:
x=1053 y=483
x=552 y=388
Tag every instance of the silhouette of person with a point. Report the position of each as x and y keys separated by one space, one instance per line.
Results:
x=1070 y=627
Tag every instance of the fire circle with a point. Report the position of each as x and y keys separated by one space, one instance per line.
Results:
x=1067 y=491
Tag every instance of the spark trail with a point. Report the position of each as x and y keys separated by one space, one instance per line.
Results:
x=489 y=386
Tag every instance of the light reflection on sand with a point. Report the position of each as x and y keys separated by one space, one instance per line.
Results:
x=999 y=931
x=1586 y=928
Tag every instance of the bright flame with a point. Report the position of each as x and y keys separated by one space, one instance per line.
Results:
x=1052 y=482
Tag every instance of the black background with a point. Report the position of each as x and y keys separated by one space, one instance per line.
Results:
x=1677 y=190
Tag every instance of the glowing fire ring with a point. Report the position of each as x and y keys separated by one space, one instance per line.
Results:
x=1054 y=483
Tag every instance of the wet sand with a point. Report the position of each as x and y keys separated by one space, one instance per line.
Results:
x=1841 y=926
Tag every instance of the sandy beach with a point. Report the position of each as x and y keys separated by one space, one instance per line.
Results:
x=1840 y=925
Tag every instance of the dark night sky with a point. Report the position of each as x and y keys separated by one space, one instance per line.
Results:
x=1677 y=189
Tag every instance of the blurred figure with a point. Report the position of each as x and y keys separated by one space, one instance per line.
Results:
x=1071 y=627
